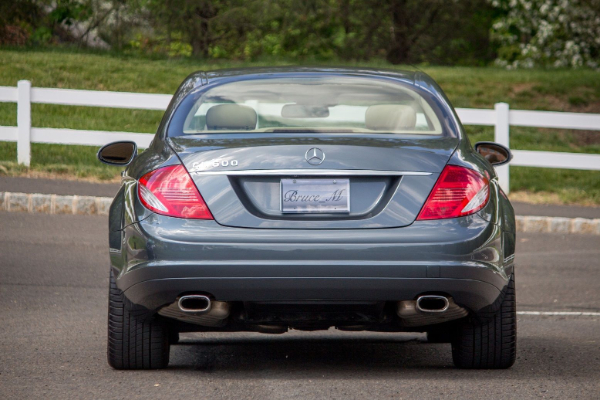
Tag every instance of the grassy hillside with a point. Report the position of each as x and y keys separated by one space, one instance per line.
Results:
x=556 y=90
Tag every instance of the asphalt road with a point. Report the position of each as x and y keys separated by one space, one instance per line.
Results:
x=53 y=285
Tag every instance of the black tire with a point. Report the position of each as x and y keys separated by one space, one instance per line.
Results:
x=134 y=342
x=491 y=345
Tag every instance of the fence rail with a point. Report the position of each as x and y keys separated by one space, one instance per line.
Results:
x=501 y=118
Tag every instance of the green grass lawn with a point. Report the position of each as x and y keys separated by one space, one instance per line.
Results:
x=475 y=87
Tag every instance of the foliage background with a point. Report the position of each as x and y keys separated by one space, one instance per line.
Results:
x=515 y=33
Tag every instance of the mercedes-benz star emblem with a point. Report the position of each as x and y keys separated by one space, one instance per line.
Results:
x=315 y=156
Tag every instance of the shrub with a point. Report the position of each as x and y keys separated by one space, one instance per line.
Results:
x=556 y=33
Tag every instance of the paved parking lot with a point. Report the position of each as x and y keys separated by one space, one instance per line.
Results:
x=53 y=280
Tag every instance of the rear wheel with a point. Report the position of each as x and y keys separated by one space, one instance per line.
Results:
x=491 y=345
x=133 y=341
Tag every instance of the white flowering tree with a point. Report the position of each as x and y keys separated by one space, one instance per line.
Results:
x=558 y=33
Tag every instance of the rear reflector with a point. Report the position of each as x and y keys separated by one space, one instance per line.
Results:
x=458 y=192
x=171 y=191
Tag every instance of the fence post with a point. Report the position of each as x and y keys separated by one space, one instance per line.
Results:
x=501 y=135
x=24 y=122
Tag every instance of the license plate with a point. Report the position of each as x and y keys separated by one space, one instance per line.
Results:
x=315 y=195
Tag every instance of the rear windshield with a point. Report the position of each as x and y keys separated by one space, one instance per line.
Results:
x=309 y=105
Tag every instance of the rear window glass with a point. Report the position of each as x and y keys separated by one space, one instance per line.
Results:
x=311 y=105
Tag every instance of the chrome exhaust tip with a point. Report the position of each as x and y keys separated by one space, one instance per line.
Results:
x=432 y=304
x=429 y=310
x=194 y=303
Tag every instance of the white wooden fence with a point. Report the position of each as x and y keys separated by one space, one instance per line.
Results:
x=500 y=117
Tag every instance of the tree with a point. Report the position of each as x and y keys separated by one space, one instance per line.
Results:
x=401 y=31
x=201 y=22
x=442 y=31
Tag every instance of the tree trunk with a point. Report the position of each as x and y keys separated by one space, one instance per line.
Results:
x=206 y=36
x=199 y=39
x=345 y=15
x=399 y=50
x=200 y=36
x=197 y=45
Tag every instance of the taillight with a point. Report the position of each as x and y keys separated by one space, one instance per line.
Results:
x=171 y=191
x=458 y=192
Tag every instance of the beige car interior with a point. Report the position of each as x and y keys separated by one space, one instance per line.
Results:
x=231 y=117
x=391 y=118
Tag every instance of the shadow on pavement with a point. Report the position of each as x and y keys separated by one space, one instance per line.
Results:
x=372 y=358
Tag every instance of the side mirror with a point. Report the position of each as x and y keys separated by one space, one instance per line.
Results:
x=495 y=153
x=117 y=153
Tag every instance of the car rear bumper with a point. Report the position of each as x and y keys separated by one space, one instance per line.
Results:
x=154 y=293
x=165 y=257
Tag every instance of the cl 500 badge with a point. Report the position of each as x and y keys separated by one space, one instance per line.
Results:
x=203 y=165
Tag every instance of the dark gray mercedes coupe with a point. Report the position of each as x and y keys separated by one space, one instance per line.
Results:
x=310 y=198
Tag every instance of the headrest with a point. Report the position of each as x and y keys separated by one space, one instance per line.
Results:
x=231 y=117
x=391 y=117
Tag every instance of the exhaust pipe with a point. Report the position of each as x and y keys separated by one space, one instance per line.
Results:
x=429 y=310
x=432 y=304
x=194 y=303
x=199 y=310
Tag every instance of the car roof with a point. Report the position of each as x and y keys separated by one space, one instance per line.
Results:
x=200 y=78
x=282 y=71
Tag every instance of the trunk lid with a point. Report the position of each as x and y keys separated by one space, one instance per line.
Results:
x=239 y=176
